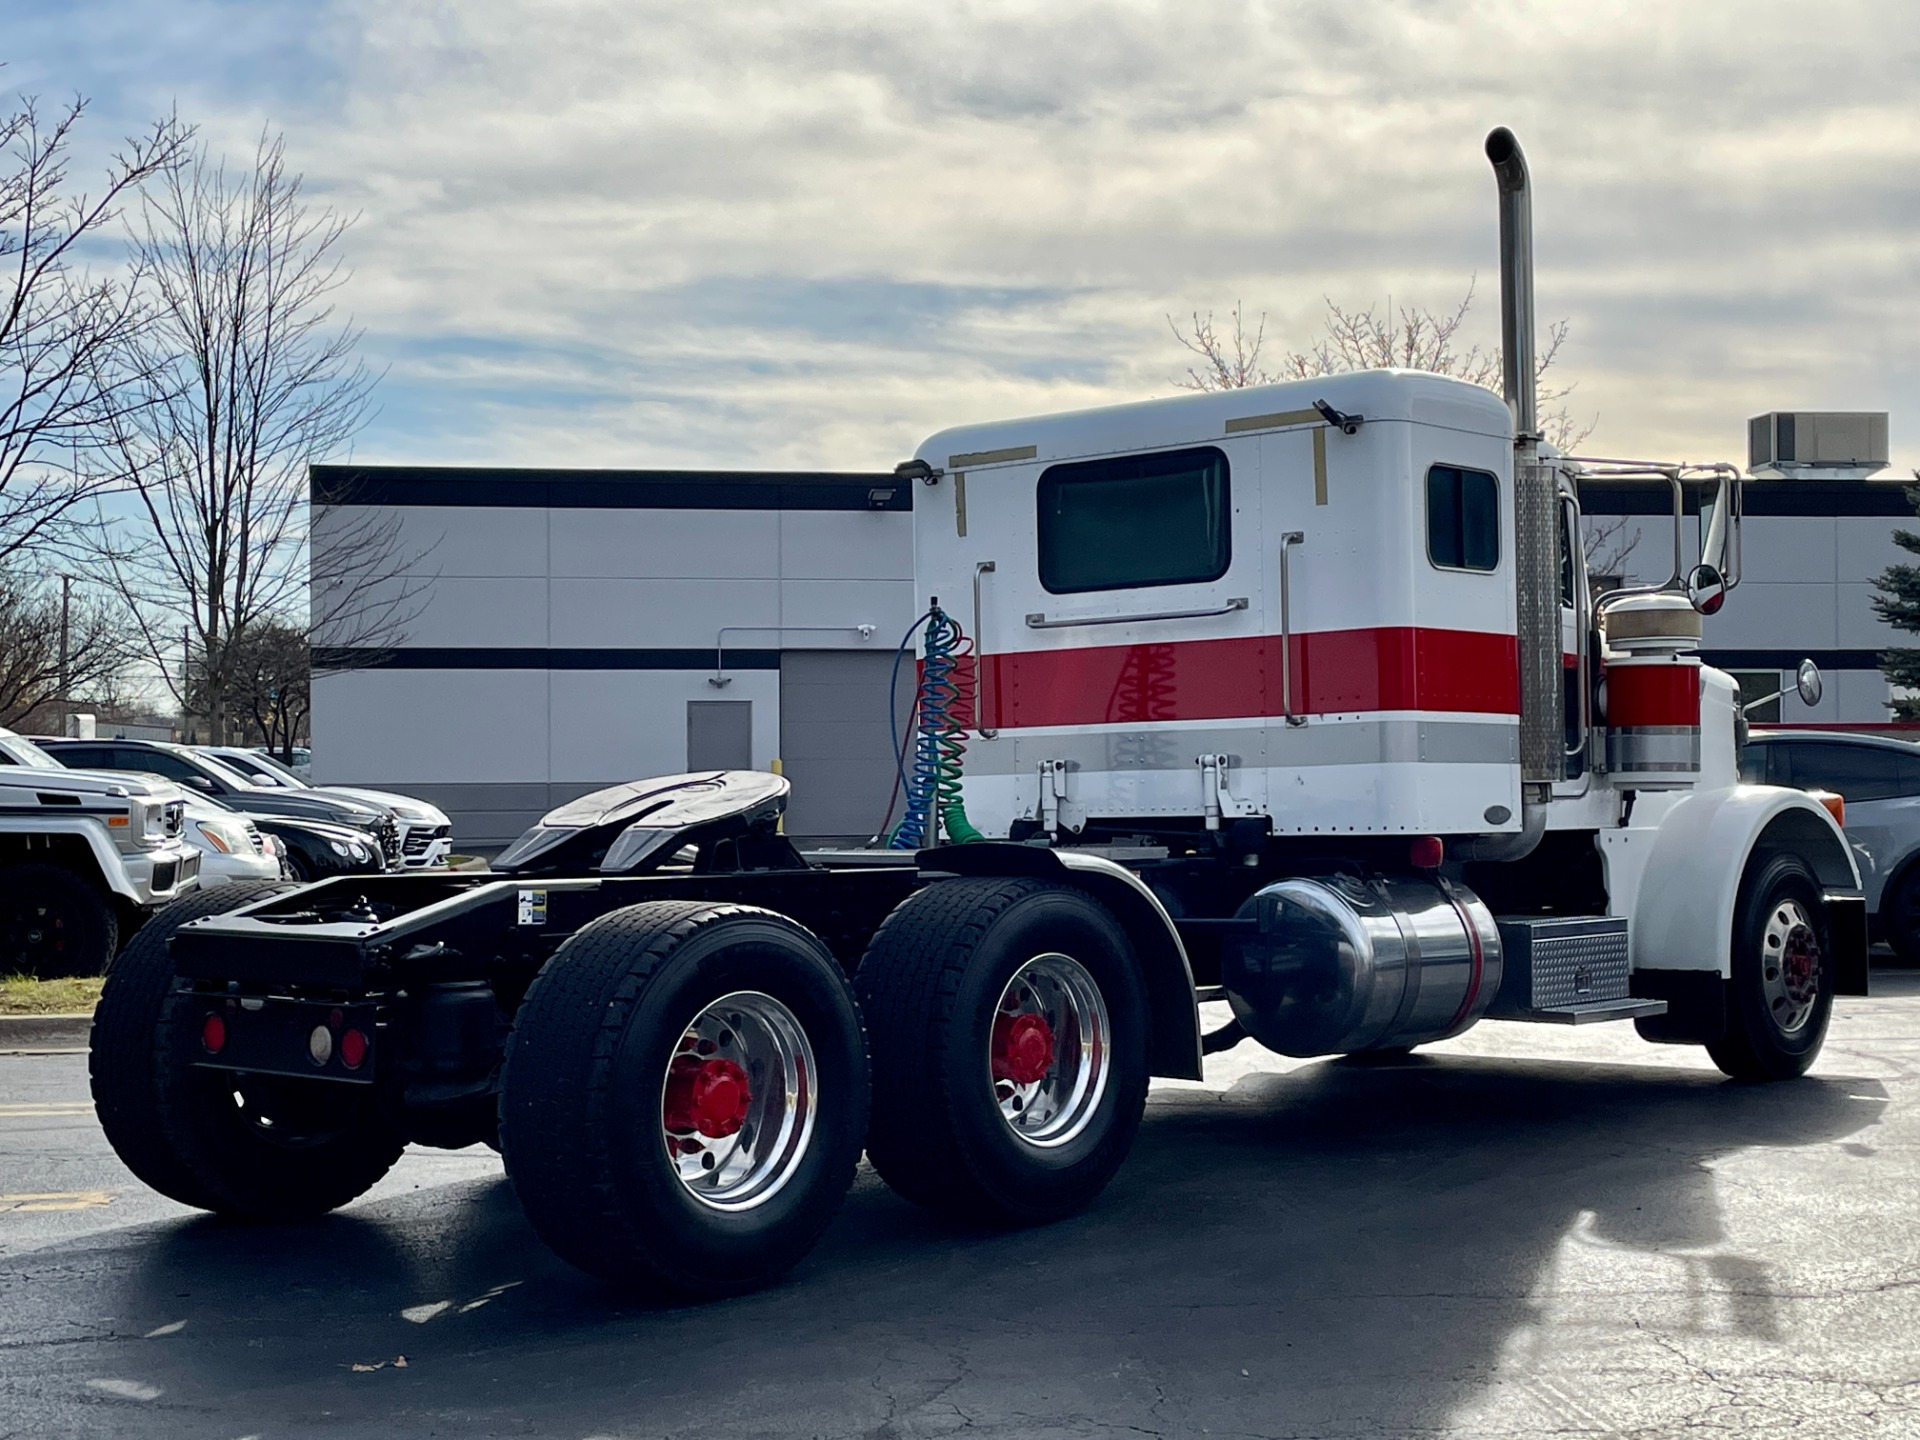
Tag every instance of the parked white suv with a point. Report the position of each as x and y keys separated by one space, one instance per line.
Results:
x=84 y=857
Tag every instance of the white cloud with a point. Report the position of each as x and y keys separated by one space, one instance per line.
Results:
x=632 y=232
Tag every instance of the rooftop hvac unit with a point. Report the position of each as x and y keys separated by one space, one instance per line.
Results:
x=1817 y=444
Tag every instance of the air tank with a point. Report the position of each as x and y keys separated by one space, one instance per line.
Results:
x=1649 y=696
x=1354 y=962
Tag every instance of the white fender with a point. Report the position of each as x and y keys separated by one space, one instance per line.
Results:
x=1677 y=878
x=106 y=859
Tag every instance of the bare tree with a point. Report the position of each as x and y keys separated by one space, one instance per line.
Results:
x=253 y=378
x=1398 y=337
x=1607 y=541
x=52 y=651
x=68 y=373
x=270 y=684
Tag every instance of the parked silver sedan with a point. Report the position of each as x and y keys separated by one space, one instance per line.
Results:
x=1879 y=779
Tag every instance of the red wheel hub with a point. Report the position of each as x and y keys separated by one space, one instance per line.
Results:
x=1022 y=1048
x=1802 y=964
x=709 y=1095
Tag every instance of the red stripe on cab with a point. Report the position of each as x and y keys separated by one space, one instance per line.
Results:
x=1334 y=672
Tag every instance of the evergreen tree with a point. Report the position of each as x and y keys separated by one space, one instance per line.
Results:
x=1898 y=603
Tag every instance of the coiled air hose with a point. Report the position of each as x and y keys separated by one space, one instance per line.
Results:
x=932 y=787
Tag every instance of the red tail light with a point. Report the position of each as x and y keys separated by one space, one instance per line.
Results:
x=213 y=1034
x=353 y=1049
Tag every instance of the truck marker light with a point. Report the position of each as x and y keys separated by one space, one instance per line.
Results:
x=118 y=822
x=353 y=1049
x=1834 y=805
x=320 y=1045
x=1427 y=852
x=213 y=1034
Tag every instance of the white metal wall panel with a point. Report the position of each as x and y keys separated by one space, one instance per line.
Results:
x=666 y=544
x=667 y=613
x=433 y=726
x=847 y=544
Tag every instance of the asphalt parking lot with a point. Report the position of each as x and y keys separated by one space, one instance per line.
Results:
x=1518 y=1233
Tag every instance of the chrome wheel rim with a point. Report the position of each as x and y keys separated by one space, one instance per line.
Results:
x=737 y=1101
x=1050 y=1050
x=1790 y=964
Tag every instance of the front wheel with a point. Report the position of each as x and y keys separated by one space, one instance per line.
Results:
x=54 y=923
x=1780 y=992
x=684 y=1097
x=1009 y=1033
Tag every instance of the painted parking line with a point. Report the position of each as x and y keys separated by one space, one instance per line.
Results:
x=51 y=1107
x=57 y=1200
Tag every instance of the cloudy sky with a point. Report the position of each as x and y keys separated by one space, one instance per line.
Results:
x=621 y=232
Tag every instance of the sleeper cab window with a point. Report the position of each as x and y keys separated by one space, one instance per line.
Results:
x=1463 y=519
x=1134 y=521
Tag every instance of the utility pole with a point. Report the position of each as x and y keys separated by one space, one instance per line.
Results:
x=66 y=620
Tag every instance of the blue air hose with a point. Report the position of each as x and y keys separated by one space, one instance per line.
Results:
x=933 y=786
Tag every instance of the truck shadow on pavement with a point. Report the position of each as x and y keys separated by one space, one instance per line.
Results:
x=1335 y=1249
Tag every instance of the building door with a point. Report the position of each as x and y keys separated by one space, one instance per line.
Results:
x=835 y=743
x=719 y=735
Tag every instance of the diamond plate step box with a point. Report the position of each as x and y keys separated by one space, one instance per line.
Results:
x=1561 y=963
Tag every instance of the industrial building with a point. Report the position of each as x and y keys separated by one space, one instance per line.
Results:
x=575 y=628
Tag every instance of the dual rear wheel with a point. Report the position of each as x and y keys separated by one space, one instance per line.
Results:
x=686 y=1090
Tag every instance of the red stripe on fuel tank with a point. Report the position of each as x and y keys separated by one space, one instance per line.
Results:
x=1479 y=973
x=1334 y=672
x=1659 y=693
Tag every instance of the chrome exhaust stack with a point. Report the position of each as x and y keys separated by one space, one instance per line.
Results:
x=1536 y=510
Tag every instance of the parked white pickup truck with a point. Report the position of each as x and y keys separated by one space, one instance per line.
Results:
x=84 y=858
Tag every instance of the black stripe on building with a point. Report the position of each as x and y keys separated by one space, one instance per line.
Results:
x=471 y=486
x=1782 y=659
x=461 y=657
x=1803 y=498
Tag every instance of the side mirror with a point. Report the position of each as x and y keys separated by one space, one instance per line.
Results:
x=1807 y=682
x=205 y=786
x=1706 y=589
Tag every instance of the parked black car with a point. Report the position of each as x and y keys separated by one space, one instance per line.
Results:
x=316 y=850
x=208 y=776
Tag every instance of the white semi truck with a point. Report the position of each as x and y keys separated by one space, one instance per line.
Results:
x=1296 y=697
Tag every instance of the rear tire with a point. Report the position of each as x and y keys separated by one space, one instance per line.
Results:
x=54 y=923
x=1780 y=994
x=957 y=1125
x=684 y=1097
x=281 y=1150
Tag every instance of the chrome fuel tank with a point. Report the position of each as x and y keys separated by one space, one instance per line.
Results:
x=1348 y=963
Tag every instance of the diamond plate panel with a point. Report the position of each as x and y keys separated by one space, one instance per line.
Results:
x=1551 y=964
x=1574 y=969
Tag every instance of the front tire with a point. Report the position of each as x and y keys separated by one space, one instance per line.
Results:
x=54 y=923
x=1780 y=993
x=684 y=1097
x=1009 y=1032
x=254 y=1146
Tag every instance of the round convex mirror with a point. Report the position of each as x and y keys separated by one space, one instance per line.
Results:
x=1706 y=589
x=1808 y=683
